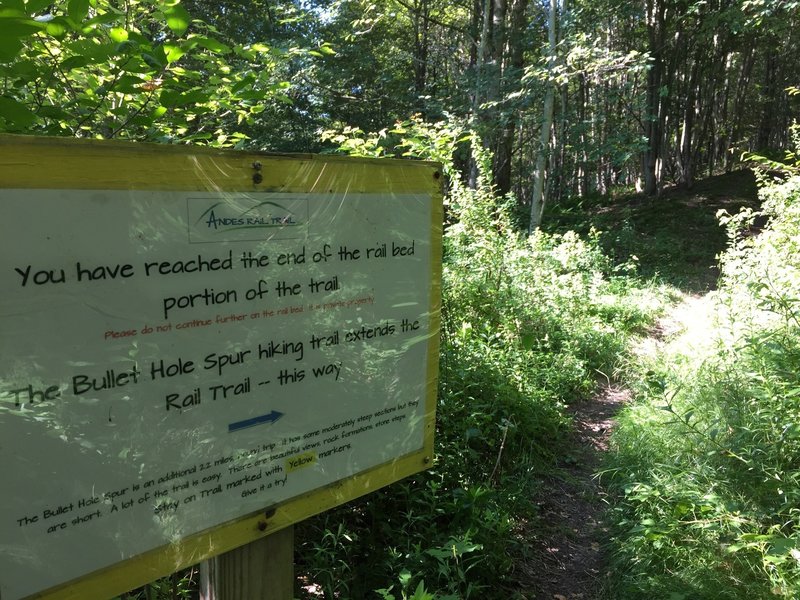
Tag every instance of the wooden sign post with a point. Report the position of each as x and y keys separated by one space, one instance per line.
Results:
x=201 y=348
x=261 y=570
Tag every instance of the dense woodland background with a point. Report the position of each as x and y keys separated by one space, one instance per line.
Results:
x=570 y=97
x=591 y=150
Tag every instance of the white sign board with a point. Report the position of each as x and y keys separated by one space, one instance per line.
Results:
x=174 y=360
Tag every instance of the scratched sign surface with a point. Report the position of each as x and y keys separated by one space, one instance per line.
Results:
x=174 y=360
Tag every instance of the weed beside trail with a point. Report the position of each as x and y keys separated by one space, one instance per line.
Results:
x=674 y=238
x=706 y=461
x=529 y=324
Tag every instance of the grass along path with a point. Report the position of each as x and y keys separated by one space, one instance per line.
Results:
x=572 y=546
x=704 y=463
x=677 y=239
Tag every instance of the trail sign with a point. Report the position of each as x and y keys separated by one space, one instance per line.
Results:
x=190 y=337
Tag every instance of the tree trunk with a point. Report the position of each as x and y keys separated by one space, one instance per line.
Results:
x=478 y=95
x=653 y=108
x=511 y=66
x=581 y=158
x=686 y=153
x=765 y=123
x=721 y=152
x=538 y=198
x=739 y=101
x=420 y=17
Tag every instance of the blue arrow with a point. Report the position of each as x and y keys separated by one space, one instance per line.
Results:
x=268 y=418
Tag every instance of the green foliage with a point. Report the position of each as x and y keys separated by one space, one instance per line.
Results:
x=145 y=70
x=675 y=239
x=789 y=164
x=183 y=586
x=528 y=325
x=706 y=462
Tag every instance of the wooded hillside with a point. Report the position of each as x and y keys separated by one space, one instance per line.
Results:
x=571 y=97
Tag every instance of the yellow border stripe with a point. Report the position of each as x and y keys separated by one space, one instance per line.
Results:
x=33 y=162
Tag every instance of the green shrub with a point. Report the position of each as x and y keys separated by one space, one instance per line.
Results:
x=706 y=462
x=528 y=325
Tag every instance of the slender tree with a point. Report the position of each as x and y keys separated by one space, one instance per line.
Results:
x=538 y=197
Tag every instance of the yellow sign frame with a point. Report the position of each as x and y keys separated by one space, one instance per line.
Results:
x=55 y=163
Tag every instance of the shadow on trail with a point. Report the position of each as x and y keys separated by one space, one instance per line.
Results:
x=674 y=238
x=569 y=563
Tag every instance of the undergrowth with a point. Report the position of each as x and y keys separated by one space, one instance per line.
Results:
x=706 y=461
x=528 y=325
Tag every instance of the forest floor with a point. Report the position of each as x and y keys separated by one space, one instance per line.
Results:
x=569 y=563
x=676 y=239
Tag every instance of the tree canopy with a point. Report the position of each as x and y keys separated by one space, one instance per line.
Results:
x=570 y=97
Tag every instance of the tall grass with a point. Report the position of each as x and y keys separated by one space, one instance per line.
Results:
x=706 y=461
x=529 y=325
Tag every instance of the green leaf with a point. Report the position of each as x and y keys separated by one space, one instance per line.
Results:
x=74 y=62
x=15 y=113
x=17 y=25
x=781 y=546
x=172 y=98
x=103 y=19
x=245 y=82
x=155 y=61
x=118 y=34
x=755 y=537
x=94 y=51
x=57 y=28
x=404 y=578
x=126 y=47
x=420 y=593
x=197 y=136
x=128 y=84
x=178 y=19
x=53 y=112
x=528 y=340
x=140 y=39
x=26 y=69
x=9 y=48
x=34 y=7
x=173 y=52
x=77 y=10
x=212 y=44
